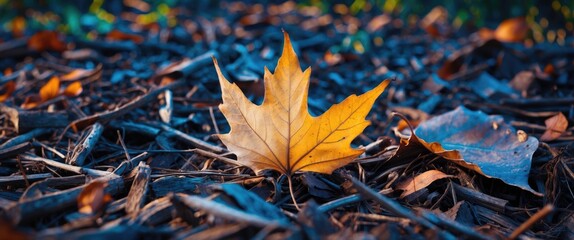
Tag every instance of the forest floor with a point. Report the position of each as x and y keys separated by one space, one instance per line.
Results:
x=115 y=135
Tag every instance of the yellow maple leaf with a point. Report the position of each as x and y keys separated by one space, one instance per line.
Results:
x=280 y=134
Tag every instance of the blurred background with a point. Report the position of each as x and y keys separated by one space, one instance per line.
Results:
x=549 y=20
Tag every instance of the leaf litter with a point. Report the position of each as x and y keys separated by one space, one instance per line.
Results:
x=116 y=127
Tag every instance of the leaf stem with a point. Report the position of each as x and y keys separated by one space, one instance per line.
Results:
x=291 y=191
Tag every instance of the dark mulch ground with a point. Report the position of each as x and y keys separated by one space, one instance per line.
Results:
x=164 y=178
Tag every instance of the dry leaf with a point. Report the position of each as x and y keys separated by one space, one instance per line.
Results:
x=512 y=30
x=76 y=74
x=93 y=198
x=7 y=90
x=116 y=35
x=73 y=90
x=435 y=22
x=9 y=231
x=469 y=139
x=31 y=102
x=485 y=33
x=555 y=127
x=51 y=89
x=420 y=181
x=46 y=41
x=280 y=134
x=18 y=26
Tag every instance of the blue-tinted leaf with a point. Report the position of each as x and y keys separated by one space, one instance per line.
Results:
x=486 y=144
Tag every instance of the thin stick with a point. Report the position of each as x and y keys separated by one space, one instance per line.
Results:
x=531 y=221
x=291 y=191
x=23 y=172
x=121 y=140
x=213 y=120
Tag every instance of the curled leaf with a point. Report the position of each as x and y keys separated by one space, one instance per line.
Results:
x=483 y=143
x=420 y=181
x=555 y=127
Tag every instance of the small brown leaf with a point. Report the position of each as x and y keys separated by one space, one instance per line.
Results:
x=51 y=89
x=18 y=26
x=555 y=127
x=93 y=198
x=31 y=102
x=435 y=22
x=512 y=30
x=7 y=90
x=116 y=35
x=46 y=41
x=73 y=90
x=420 y=181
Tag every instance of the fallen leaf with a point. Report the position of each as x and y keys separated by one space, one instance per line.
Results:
x=549 y=69
x=73 y=90
x=76 y=74
x=522 y=81
x=116 y=35
x=420 y=181
x=9 y=231
x=7 y=90
x=46 y=41
x=18 y=26
x=51 y=89
x=485 y=33
x=474 y=140
x=512 y=30
x=8 y=71
x=31 y=101
x=93 y=198
x=435 y=22
x=452 y=65
x=555 y=127
x=378 y=22
x=280 y=134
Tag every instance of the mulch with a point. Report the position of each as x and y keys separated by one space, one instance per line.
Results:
x=136 y=155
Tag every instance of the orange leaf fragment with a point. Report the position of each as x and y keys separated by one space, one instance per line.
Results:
x=485 y=33
x=76 y=74
x=512 y=30
x=18 y=26
x=93 y=198
x=555 y=127
x=8 y=71
x=280 y=134
x=420 y=181
x=31 y=102
x=46 y=41
x=7 y=90
x=73 y=90
x=51 y=89
x=116 y=35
